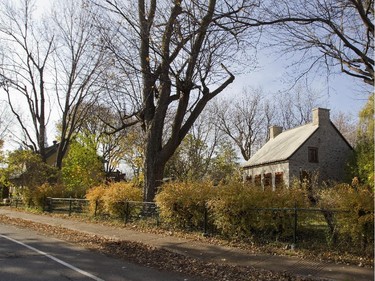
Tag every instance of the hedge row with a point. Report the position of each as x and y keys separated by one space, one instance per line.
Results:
x=233 y=209
x=237 y=210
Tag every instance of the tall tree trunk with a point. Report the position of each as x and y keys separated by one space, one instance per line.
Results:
x=153 y=176
x=332 y=231
x=177 y=67
x=60 y=154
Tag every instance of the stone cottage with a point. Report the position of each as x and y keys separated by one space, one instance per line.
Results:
x=315 y=148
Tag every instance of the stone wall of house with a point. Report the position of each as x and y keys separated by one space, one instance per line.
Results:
x=273 y=175
x=324 y=155
x=333 y=153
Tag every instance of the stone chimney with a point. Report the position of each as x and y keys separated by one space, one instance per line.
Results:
x=275 y=131
x=320 y=116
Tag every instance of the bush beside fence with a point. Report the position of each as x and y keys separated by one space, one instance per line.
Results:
x=302 y=227
x=343 y=218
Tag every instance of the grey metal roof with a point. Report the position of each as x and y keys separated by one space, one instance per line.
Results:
x=282 y=146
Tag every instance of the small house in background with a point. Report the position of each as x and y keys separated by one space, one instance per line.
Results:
x=115 y=176
x=317 y=147
x=51 y=154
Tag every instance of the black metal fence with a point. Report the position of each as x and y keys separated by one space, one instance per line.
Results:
x=17 y=202
x=128 y=211
x=66 y=205
x=304 y=227
x=55 y=205
x=310 y=228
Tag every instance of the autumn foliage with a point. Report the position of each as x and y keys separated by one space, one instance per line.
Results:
x=235 y=210
x=357 y=222
x=112 y=198
x=182 y=204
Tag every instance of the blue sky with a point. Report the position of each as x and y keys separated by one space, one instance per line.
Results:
x=340 y=92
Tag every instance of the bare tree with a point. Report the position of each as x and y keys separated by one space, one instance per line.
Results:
x=78 y=64
x=133 y=153
x=183 y=49
x=346 y=124
x=27 y=47
x=328 y=33
x=6 y=120
x=294 y=108
x=193 y=158
x=245 y=120
x=54 y=62
x=112 y=147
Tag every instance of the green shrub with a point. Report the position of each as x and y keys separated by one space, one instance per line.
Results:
x=357 y=224
x=234 y=209
x=27 y=173
x=230 y=210
x=117 y=194
x=241 y=211
x=82 y=168
x=183 y=204
x=112 y=198
x=36 y=198
x=95 y=196
x=47 y=190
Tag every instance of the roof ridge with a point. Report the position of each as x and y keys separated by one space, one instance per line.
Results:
x=282 y=146
x=310 y=123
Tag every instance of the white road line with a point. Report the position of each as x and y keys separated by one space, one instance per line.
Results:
x=55 y=259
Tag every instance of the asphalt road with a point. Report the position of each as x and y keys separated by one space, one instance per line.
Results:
x=28 y=256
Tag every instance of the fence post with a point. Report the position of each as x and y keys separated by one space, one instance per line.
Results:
x=126 y=212
x=50 y=206
x=70 y=206
x=205 y=221
x=157 y=216
x=295 y=225
x=44 y=203
x=96 y=207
